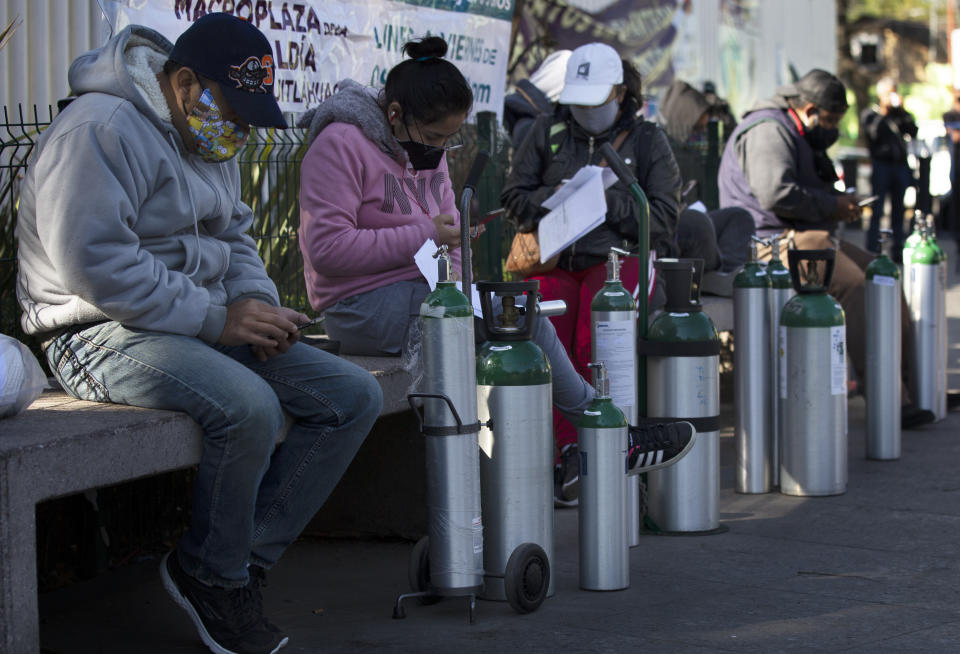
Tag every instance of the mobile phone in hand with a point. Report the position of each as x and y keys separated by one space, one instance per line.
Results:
x=310 y=323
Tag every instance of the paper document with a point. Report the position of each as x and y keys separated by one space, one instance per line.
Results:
x=430 y=271
x=577 y=207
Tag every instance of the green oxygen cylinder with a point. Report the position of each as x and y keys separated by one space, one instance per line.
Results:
x=882 y=307
x=781 y=291
x=604 y=543
x=613 y=327
x=515 y=405
x=753 y=432
x=813 y=381
x=919 y=225
x=683 y=383
x=927 y=304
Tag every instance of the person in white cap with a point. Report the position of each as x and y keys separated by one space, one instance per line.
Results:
x=535 y=96
x=600 y=103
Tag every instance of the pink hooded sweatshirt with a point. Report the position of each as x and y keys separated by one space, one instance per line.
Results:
x=364 y=212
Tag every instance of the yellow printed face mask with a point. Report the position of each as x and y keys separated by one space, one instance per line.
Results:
x=216 y=138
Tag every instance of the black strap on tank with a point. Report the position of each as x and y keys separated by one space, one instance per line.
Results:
x=450 y=430
x=702 y=424
x=646 y=348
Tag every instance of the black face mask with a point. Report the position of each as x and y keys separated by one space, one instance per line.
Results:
x=422 y=156
x=820 y=138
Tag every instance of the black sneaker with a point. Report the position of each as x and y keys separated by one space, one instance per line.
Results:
x=566 y=477
x=656 y=446
x=911 y=416
x=228 y=620
x=258 y=580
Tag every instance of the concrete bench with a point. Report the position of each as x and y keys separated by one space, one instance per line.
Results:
x=60 y=446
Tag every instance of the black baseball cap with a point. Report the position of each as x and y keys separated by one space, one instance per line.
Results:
x=236 y=55
x=819 y=87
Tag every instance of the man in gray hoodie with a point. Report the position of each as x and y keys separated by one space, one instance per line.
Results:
x=138 y=276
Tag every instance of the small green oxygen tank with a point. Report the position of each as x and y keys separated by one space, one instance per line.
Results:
x=604 y=542
x=928 y=317
x=515 y=399
x=683 y=383
x=753 y=432
x=813 y=381
x=882 y=308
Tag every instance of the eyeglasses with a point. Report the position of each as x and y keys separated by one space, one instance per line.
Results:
x=452 y=142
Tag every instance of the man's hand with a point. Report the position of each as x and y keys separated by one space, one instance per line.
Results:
x=447 y=232
x=269 y=330
x=847 y=208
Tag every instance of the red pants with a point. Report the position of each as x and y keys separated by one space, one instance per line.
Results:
x=573 y=328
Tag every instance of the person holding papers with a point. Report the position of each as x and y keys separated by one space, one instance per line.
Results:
x=600 y=103
x=374 y=187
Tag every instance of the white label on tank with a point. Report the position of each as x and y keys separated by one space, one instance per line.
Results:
x=760 y=273
x=883 y=280
x=478 y=535
x=783 y=362
x=501 y=348
x=614 y=293
x=678 y=315
x=615 y=347
x=591 y=413
x=838 y=361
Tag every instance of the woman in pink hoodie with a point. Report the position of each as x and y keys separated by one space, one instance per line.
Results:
x=374 y=185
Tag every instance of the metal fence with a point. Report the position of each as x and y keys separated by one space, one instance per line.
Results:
x=270 y=179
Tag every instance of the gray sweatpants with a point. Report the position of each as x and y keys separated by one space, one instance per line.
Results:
x=383 y=322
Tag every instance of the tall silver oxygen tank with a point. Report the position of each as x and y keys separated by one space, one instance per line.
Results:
x=916 y=234
x=883 y=355
x=753 y=432
x=781 y=291
x=928 y=316
x=683 y=383
x=514 y=391
x=604 y=543
x=813 y=382
x=613 y=326
x=449 y=561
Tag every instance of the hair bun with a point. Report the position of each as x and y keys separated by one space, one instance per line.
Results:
x=430 y=46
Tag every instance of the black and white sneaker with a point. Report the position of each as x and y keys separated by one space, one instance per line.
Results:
x=656 y=446
x=566 y=477
x=228 y=620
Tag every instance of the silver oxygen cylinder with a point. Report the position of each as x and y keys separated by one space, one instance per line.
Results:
x=514 y=391
x=813 y=382
x=453 y=467
x=927 y=303
x=781 y=291
x=613 y=326
x=604 y=543
x=683 y=383
x=882 y=306
x=753 y=431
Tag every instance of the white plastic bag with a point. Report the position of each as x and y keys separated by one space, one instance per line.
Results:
x=21 y=377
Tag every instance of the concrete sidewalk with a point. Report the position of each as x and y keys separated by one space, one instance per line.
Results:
x=874 y=570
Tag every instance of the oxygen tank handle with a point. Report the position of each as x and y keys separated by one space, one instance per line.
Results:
x=754 y=242
x=601 y=380
x=931 y=228
x=885 y=236
x=442 y=255
x=614 y=263
x=828 y=256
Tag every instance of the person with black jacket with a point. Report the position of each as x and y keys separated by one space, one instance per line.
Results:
x=599 y=103
x=535 y=96
x=886 y=128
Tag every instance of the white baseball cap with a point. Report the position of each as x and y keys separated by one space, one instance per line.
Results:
x=592 y=72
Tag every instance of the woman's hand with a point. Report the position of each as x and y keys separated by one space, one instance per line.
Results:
x=447 y=231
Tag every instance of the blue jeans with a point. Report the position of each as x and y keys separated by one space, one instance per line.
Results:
x=250 y=501
x=892 y=178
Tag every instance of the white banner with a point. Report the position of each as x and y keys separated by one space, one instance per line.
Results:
x=317 y=43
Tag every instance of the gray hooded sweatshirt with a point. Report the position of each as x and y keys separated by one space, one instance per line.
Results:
x=119 y=222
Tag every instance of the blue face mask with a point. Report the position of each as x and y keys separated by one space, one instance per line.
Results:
x=596 y=120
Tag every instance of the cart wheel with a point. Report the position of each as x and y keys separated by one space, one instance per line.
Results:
x=527 y=578
x=419 y=571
